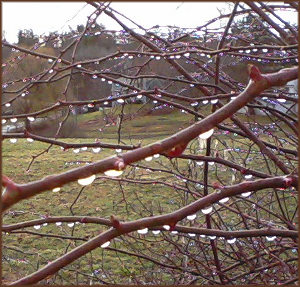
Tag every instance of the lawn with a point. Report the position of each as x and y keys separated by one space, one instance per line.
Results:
x=105 y=197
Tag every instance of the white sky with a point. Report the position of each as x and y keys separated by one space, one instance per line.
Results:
x=44 y=17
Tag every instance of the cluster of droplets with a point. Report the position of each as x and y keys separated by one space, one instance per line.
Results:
x=94 y=149
x=230 y=240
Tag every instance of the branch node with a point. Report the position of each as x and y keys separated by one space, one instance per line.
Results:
x=254 y=73
x=115 y=222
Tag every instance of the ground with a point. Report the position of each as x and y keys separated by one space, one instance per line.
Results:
x=105 y=197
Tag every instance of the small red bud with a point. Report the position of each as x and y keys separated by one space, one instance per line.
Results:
x=115 y=222
x=172 y=226
x=216 y=185
x=288 y=181
x=177 y=150
x=254 y=73
x=243 y=171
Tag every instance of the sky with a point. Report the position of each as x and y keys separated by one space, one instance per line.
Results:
x=44 y=17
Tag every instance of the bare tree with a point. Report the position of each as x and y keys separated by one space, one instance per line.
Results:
x=225 y=180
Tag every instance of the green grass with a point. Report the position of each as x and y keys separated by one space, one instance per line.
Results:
x=104 y=197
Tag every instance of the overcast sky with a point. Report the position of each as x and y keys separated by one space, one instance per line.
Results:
x=44 y=17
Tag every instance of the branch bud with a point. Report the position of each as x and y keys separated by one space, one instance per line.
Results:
x=119 y=164
x=115 y=222
x=217 y=185
x=254 y=73
x=172 y=225
x=288 y=181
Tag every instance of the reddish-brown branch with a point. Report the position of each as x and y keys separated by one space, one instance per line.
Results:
x=154 y=221
x=186 y=135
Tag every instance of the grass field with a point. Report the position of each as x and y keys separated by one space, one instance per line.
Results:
x=104 y=197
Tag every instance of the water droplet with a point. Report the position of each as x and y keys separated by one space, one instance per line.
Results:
x=207 y=134
x=76 y=150
x=96 y=150
x=106 y=244
x=192 y=234
x=212 y=237
x=50 y=60
x=51 y=71
x=71 y=224
x=199 y=162
x=56 y=189
x=14 y=120
x=84 y=148
x=166 y=227
x=155 y=232
x=281 y=100
x=58 y=223
x=3 y=121
x=149 y=158
x=13 y=140
x=246 y=194
x=224 y=200
x=205 y=102
x=31 y=119
x=214 y=101
x=94 y=77
x=270 y=238
x=231 y=241
x=139 y=96
x=113 y=172
x=87 y=180
x=248 y=176
x=118 y=150
x=30 y=140
x=78 y=66
x=36 y=227
x=174 y=232
x=121 y=101
x=156 y=155
x=143 y=231
x=202 y=235
x=191 y=217
x=45 y=224
x=207 y=210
